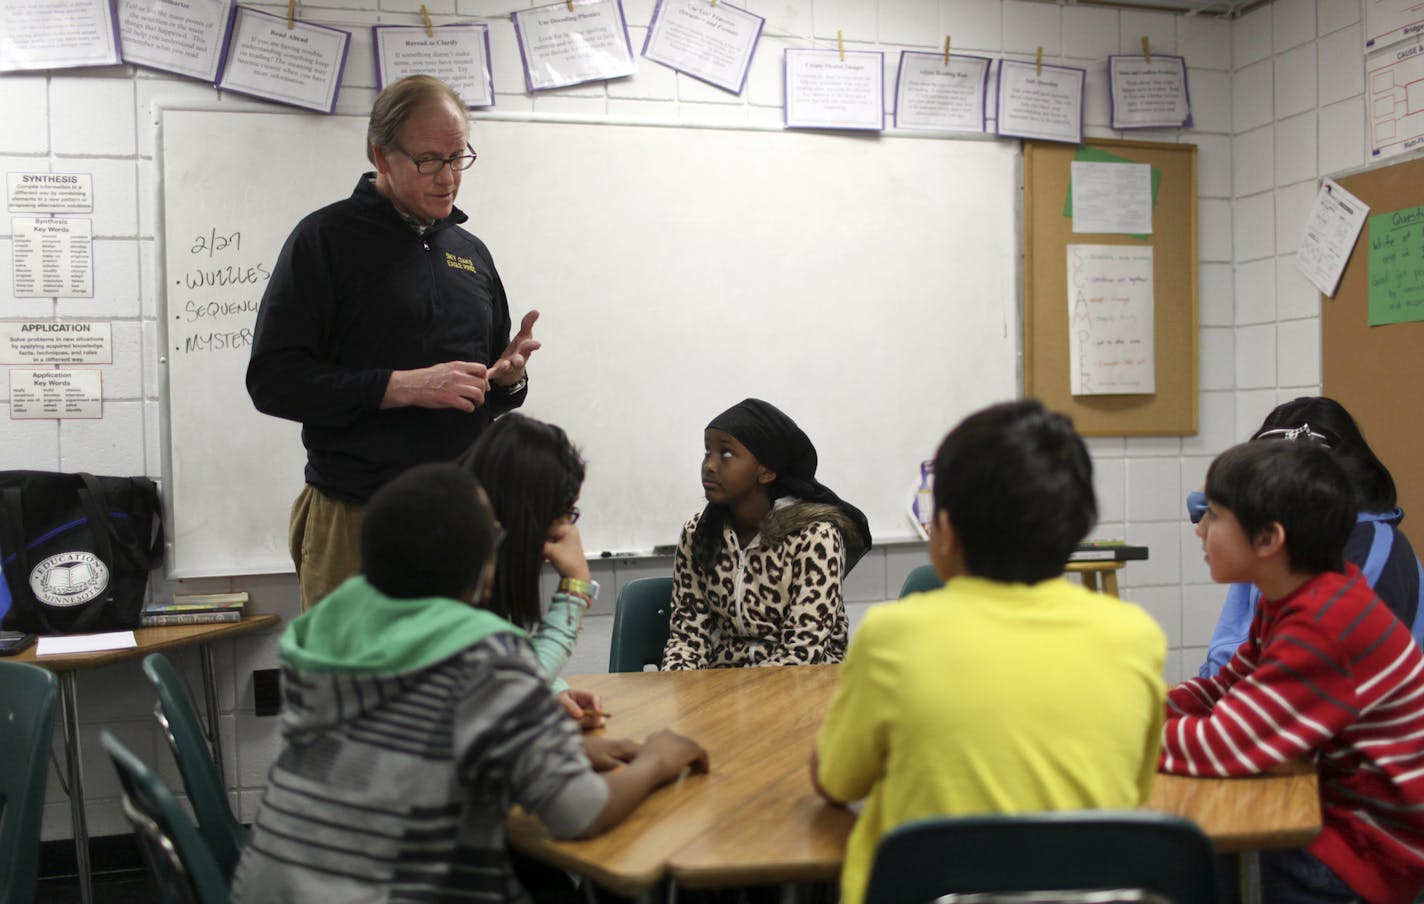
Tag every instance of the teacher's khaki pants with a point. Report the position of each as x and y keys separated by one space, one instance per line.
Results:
x=325 y=542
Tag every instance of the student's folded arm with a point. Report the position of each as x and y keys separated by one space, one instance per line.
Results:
x=689 y=623
x=1299 y=696
x=817 y=598
x=853 y=742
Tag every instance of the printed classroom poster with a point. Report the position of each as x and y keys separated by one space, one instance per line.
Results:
x=1149 y=95
x=1394 y=99
x=562 y=47
x=57 y=34
x=458 y=55
x=300 y=65
x=182 y=36
x=710 y=42
x=1047 y=104
x=827 y=89
x=934 y=95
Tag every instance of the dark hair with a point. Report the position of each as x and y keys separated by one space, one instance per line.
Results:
x=1332 y=425
x=533 y=475
x=429 y=532
x=1017 y=484
x=1300 y=486
x=394 y=106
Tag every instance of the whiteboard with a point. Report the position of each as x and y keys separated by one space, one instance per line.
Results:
x=867 y=285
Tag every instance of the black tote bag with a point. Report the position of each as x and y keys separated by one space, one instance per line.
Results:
x=76 y=550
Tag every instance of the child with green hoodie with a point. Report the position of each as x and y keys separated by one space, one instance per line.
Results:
x=414 y=720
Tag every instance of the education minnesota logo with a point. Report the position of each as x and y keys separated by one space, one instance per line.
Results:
x=69 y=579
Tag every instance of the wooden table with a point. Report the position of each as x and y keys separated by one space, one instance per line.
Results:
x=149 y=640
x=754 y=819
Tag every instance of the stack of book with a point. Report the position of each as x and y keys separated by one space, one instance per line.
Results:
x=195 y=609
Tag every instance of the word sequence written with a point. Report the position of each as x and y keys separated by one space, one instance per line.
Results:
x=214 y=302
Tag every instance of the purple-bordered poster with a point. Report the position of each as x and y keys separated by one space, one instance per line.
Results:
x=828 y=89
x=458 y=55
x=933 y=94
x=713 y=43
x=1148 y=94
x=182 y=36
x=300 y=65
x=57 y=34
x=1047 y=104
x=573 y=42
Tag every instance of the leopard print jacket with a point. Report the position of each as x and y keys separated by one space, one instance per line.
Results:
x=775 y=602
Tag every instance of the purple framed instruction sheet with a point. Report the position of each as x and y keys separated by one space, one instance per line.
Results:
x=828 y=89
x=570 y=43
x=710 y=42
x=1043 y=102
x=1149 y=94
x=300 y=65
x=935 y=94
x=458 y=55
x=57 y=34
x=186 y=37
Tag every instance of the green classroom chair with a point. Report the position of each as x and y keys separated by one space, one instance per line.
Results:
x=225 y=836
x=1067 y=852
x=921 y=579
x=179 y=862
x=27 y=696
x=640 y=624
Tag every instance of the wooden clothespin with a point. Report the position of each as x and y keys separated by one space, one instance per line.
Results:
x=714 y=2
x=1038 y=62
x=569 y=4
x=946 y=50
x=1147 y=49
x=291 y=14
x=840 y=43
x=425 y=14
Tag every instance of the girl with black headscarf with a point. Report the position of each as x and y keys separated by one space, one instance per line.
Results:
x=758 y=574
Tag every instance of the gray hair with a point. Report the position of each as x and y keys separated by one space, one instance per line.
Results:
x=395 y=105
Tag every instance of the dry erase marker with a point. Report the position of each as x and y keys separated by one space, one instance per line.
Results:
x=619 y=554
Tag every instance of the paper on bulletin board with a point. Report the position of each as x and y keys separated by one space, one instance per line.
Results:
x=1086 y=154
x=1112 y=197
x=1110 y=320
x=1330 y=232
x=1397 y=267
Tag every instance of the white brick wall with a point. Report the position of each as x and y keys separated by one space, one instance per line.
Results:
x=1276 y=102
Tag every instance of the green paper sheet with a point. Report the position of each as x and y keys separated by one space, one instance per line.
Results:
x=1397 y=267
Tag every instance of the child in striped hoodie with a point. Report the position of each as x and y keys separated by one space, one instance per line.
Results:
x=1327 y=673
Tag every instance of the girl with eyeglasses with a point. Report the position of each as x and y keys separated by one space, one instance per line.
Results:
x=533 y=475
x=1377 y=545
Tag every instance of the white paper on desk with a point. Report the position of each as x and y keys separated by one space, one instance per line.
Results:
x=1330 y=232
x=85 y=643
x=1112 y=197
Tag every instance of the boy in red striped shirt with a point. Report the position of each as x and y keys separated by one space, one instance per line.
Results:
x=1327 y=673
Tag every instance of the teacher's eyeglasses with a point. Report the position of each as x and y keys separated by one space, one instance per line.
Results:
x=429 y=166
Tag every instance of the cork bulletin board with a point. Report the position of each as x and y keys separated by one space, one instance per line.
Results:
x=1377 y=372
x=1048 y=231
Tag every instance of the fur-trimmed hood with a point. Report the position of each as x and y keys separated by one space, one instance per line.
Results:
x=790 y=515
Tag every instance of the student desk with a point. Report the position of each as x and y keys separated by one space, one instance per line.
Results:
x=149 y=640
x=754 y=819
x=1090 y=572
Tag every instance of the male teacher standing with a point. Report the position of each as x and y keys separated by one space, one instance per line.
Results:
x=384 y=329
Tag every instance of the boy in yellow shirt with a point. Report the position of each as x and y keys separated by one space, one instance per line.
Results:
x=1011 y=688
